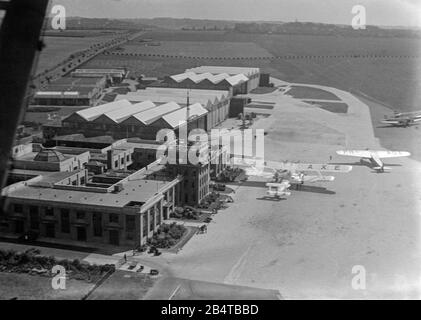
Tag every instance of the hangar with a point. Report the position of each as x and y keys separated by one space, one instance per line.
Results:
x=121 y=119
x=242 y=79
x=216 y=102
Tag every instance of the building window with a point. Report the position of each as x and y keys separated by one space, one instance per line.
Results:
x=145 y=224
x=130 y=227
x=18 y=208
x=97 y=224
x=80 y=215
x=34 y=217
x=65 y=220
x=49 y=212
x=122 y=160
x=113 y=218
x=128 y=158
x=116 y=164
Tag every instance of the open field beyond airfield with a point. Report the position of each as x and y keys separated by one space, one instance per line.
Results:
x=59 y=48
x=385 y=68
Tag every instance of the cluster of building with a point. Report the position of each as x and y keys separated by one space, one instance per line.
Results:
x=97 y=177
x=82 y=88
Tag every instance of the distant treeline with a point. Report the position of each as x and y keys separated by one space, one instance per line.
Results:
x=310 y=28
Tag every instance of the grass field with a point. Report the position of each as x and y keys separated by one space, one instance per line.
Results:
x=310 y=93
x=391 y=76
x=199 y=49
x=27 y=287
x=59 y=48
x=123 y=286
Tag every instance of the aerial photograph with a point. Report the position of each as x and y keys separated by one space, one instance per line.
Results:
x=210 y=150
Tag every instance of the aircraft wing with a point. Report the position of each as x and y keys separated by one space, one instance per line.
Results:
x=391 y=121
x=307 y=178
x=296 y=166
x=391 y=154
x=355 y=153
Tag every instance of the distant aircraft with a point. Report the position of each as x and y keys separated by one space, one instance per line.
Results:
x=374 y=156
x=403 y=119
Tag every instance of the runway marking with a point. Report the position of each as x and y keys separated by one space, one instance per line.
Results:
x=237 y=269
x=174 y=292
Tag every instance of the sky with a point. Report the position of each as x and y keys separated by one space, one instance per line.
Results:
x=379 y=12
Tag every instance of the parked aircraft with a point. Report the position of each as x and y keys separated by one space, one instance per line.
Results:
x=278 y=190
x=294 y=172
x=403 y=119
x=374 y=156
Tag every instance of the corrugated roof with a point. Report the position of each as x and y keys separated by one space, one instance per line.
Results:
x=153 y=114
x=94 y=112
x=177 y=118
x=234 y=80
x=225 y=69
x=215 y=79
x=163 y=95
x=121 y=114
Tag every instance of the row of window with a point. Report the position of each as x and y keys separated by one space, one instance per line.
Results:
x=65 y=217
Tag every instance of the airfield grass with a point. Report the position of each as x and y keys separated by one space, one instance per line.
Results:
x=334 y=107
x=301 y=92
x=59 y=48
x=123 y=285
x=199 y=49
x=28 y=287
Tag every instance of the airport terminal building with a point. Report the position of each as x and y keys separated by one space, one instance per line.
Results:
x=60 y=193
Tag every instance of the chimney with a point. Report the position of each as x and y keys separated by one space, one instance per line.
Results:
x=110 y=159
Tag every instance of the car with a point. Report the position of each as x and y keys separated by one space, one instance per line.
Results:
x=132 y=265
x=219 y=187
x=141 y=268
x=154 y=272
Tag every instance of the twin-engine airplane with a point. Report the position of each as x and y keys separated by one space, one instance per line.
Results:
x=403 y=119
x=374 y=156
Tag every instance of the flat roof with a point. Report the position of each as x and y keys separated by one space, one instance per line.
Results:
x=70 y=81
x=138 y=189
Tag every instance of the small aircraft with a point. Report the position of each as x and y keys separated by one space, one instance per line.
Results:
x=294 y=173
x=403 y=119
x=278 y=190
x=374 y=156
